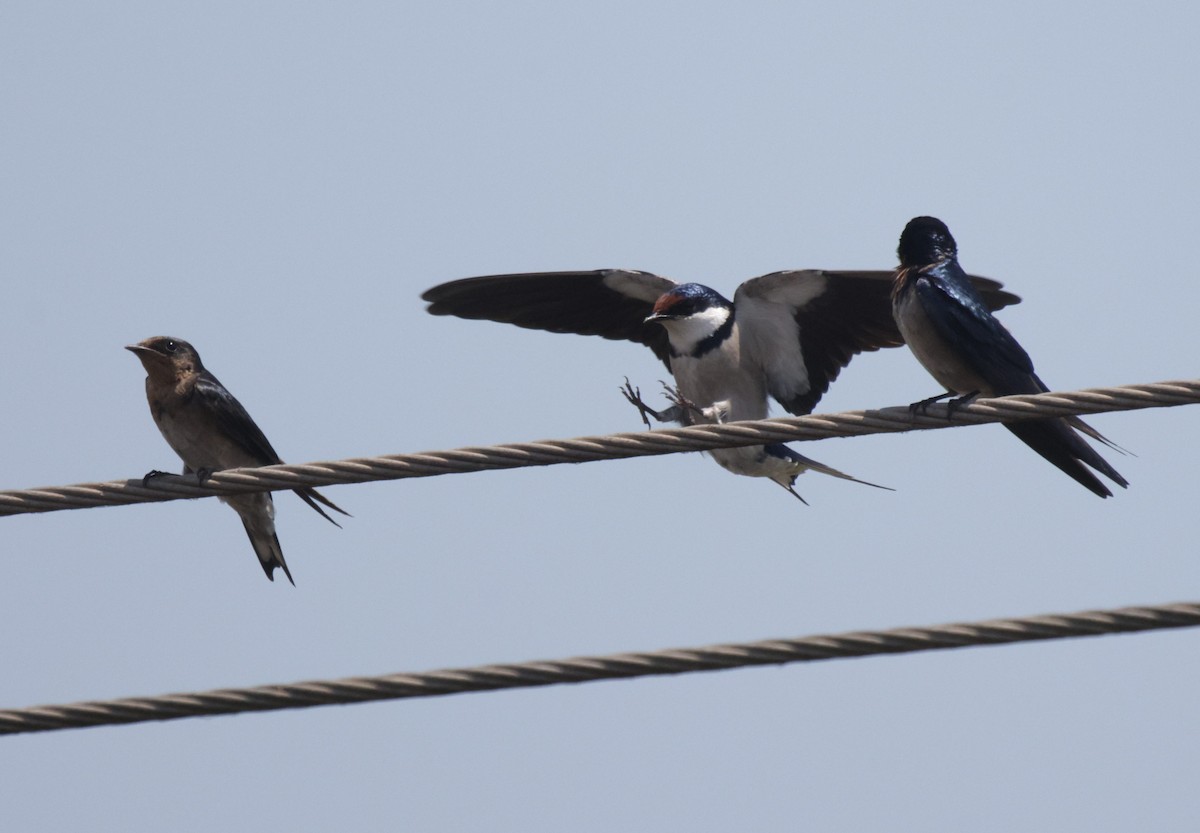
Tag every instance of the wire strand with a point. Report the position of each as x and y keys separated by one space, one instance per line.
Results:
x=590 y=668
x=605 y=447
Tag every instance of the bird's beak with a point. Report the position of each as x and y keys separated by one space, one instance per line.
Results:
x=147 y=356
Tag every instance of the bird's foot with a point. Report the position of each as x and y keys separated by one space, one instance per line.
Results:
x=150 y=475
x=961 y=402
x=923 y=406
x=202 y=475
x=634 y=397
x=681 y=403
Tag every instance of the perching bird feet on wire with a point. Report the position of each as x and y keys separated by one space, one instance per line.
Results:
x=679 y=411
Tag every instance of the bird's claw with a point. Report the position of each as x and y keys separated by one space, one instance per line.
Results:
x=634 y=396
x=150 y=475
x=680 y=401
x=961 y=402
x=922 y=407
x=951 y=406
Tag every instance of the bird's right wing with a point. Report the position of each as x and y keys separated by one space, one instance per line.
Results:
x=612 y=303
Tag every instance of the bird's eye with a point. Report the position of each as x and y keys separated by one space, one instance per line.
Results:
x=170 y=347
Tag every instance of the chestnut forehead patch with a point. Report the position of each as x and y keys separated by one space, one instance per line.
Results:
x=667 y=301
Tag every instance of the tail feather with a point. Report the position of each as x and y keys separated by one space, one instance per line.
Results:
x=312 y=497
x=781 y=450
x=1081 y=426
x=1055 y=440
x=257 y=512
x=1038 y=386
x=266 y=547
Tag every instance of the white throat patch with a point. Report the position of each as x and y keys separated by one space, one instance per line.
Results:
x=685 y=333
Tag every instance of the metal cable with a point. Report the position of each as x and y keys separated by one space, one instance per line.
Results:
x=606 y=447
x=585 y=669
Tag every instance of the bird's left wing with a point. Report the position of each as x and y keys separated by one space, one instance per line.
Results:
x=236 y=424
x=232 y=419
x=961 y=318
x=612 y=303
x=803 y=326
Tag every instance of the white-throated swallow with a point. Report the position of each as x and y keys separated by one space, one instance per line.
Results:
x=210 y=430
x=951 y=331
x=786 y=335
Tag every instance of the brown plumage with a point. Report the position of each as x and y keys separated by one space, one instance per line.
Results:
x=210 y=430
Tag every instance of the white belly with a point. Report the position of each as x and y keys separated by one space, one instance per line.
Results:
x=726 y=392
x=717 y=383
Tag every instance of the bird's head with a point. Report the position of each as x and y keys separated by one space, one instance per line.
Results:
x=925 y=241
x=167 y=359
x=691 y=313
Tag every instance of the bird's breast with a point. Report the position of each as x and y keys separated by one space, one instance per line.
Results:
x=197 y=439
x=720 y=377
x=935 y=353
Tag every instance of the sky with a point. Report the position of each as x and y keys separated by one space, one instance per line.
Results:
x=278 y=183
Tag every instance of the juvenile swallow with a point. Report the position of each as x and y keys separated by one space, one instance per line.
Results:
x=210 y=430
x=951 y=331
x=786 y=335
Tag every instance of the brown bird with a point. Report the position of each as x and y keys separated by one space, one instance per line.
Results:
x=210 y=430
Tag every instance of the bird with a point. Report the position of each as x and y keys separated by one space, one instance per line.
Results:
x=786 y=335
x=210 y=430
x=950 y=329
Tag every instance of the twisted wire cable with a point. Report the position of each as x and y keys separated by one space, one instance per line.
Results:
x=586 y=669
x=605 y=447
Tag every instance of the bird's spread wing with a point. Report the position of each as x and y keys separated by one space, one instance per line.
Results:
x=803 y=326
x=962 y=319
x=612 y=303
x=232 y=419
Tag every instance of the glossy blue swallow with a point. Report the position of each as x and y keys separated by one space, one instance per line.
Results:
x=210 y=430
x=784 y=336
x=951 y=331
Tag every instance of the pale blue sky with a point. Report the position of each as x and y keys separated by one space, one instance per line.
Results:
x=278 y=184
